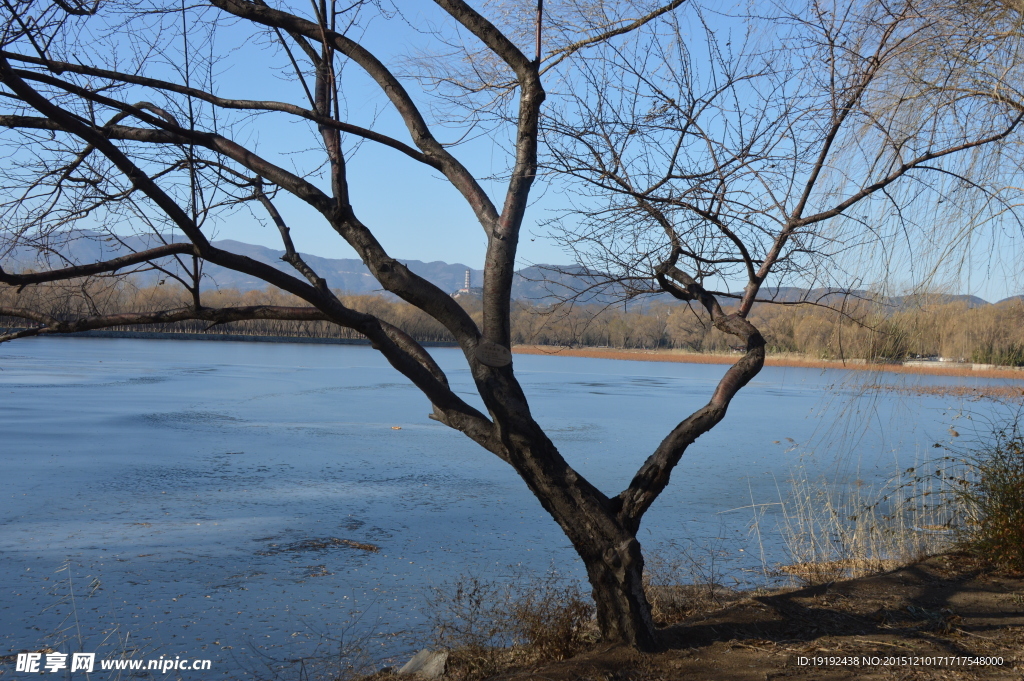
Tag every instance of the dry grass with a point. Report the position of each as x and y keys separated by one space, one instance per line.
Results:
x=835 y=532
x=615 y=353
x=78 y=600
x=497 y=625
x=965 y=392
x=991 y=488
x=683 y=582
x=315 y=545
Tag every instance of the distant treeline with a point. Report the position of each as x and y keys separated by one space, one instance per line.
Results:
x=991 y=334
x=924 y=327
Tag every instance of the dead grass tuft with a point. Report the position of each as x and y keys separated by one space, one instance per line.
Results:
x=316 y=544
x=497 y=625
x=682 y=582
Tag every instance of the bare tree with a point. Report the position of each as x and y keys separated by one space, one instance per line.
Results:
x=821 y=145
x=115 y=120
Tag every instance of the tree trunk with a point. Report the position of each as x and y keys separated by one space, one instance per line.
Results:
x=605 y=541
x=610 y=552
x=623 y=612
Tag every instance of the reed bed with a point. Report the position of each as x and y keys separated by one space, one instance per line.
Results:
x=839 y=531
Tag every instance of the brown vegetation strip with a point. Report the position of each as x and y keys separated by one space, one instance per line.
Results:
x=779 y=361
x=973 y=393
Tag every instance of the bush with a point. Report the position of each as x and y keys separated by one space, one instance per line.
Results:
x=682 y=581
x=528 y=618
x=993 y=491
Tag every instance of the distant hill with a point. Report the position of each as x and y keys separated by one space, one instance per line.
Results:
x=792 y=294
x=905 y=302
x=537 y=283
x=348 y=274
x=829 y=296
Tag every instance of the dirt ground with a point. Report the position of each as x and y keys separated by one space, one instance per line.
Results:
x=937 y=619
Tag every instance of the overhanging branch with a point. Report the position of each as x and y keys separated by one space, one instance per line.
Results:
x=97 y=267
x=654 y=474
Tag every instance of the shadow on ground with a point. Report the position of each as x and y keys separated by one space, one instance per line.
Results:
x=942 y=618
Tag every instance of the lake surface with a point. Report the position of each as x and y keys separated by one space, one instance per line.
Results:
x=161 y=495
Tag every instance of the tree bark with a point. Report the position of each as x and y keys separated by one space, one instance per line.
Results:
x=614 y=563
x=623 y=611
x=603 y=538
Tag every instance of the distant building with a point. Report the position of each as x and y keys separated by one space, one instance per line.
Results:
x=468 y=290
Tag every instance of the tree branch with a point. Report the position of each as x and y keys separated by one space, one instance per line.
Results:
x=215 y=315
x=654 y=475
x=239 y=104
x=456 y=173
x=904 y=169
x=98 y=267
x=567 y=51
x=490 y=36
x=393 y=275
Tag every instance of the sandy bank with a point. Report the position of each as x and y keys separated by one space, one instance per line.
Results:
x=955 y=370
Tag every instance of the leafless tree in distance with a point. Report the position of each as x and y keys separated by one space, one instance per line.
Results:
x=755 y=159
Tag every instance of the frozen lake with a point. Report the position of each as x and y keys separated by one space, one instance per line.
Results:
x=163 y=490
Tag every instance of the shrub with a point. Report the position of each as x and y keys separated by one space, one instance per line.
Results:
x=490 y=625
x=993 y=490
x=682 y=581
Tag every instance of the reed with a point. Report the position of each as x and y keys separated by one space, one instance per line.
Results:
x=838 y=531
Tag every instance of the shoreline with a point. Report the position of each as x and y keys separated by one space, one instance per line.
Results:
x=920 y=367
x=958 y=371
x=236 y=337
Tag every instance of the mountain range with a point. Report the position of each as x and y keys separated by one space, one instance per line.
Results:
x=537 y=283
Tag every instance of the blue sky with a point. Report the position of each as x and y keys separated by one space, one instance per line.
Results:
x=417 y=215
x=413 y=211
x=411 y=208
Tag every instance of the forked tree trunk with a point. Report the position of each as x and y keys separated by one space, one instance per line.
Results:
x=615 y=570
x=601 y=529
x=609 y=550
